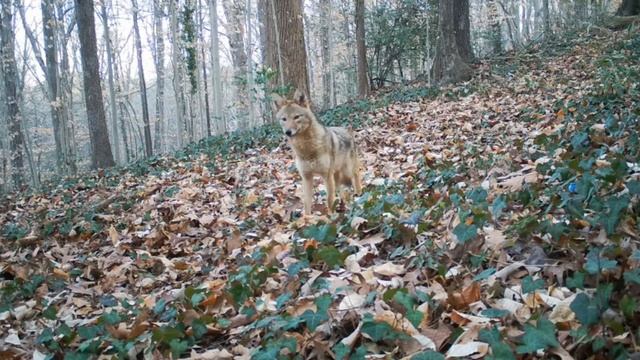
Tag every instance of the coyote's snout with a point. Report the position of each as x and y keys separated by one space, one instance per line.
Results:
x=319 y=150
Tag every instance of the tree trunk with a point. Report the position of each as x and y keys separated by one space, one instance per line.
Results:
x=362 y=67
x=325 y=51
x=158 y=38
x=10 y=77
x=629 y=8
x=496 y=27
x=101 y=156
x=448 y=65
x=178 y=84
x=203 y=63
x=189 y=35
x=546 y=17
x=463 y=29
x=65 y=153
x=216 y=74
x=250 y=79
x=290 y=44
x=143 y=85
x=234 y=12
x=113 y=106
x=65 y=91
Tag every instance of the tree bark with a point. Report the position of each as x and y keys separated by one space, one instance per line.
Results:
x=448 y=65
x=629 y=8
x=101 y=156
x=216 y=74
x=143 y=85
x=326 y=53
x=158 y=38
x=463 y=29
x=234 y=11
x=250 y=90
x=113 y=109
x=10 y=78
x=203 y=63
x=362 y=67
x=290 y=44
x=546 y=17
x=178 y=84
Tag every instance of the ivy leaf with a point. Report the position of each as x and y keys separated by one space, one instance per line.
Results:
x=428 y=355
x=498 y=206
x=529 y=285
x=499 y=350
x=587 y=311
x=464 y=232
x=616 y=206
x=539 y=337
x=634 y=187
x=632 y=276
x=331 y=256
x=485 y=274
x=325 y=233
x=378 y=331
x=576 y=281
x=314 y=319
x=596 y=263
x=494 y=313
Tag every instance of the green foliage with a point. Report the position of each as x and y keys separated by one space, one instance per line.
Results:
x=539 y=337
x=499 y=349
x=190 y=45
x=380 y=331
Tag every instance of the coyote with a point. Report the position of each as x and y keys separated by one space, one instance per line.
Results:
x=319 y=150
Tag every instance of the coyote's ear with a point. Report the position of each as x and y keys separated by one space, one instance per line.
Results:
x=300 y=98
x=277 y=102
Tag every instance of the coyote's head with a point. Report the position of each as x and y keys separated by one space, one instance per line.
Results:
x=293 y=115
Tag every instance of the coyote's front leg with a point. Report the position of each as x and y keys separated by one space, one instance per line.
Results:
x=307 y=192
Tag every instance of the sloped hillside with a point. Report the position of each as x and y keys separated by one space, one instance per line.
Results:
x=499 y=219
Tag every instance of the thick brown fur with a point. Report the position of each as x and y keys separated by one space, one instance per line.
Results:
x=319 y=150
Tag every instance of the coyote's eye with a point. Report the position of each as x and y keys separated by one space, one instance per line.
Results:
x=284 y=119
x=297 y=117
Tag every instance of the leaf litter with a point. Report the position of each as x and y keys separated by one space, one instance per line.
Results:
x=500 y=218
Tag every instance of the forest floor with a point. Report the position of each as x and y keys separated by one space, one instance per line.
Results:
x=500 y=218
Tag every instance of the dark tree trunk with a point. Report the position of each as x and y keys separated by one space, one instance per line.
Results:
x=546 y=17
x=463 y=29
x=289 y=44
x=143 y=85
x=101 y=156
x=362 y=67
x=158 y=38
x=629 y=8
x=448 y=65
x=10 y=79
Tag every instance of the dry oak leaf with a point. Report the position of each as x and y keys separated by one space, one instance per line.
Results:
x=389 y=269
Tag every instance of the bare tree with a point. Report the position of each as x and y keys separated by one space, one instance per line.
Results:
x=178 y=75
x=101 y=155
x=62 y=131
x=10 y=79
x=234 y=11
x=363 y=81
x=158 y=52
x=143 y=86
x=448 y=65
x=216 y=74
x=326 y=54
x=112 y=92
